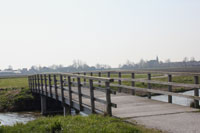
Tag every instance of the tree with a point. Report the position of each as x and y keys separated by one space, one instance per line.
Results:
x=185 y=59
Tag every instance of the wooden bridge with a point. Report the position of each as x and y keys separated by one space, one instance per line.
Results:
x=115 y=92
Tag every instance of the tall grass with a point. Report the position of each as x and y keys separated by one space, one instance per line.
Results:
x=76 y=124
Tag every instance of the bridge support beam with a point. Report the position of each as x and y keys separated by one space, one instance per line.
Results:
x=66 y=110
x=43 y=105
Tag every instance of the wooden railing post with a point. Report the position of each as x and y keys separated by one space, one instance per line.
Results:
x=45 y=84
x=108 y=74
x=62 y=88
x=196 y=92
x=38 y=78
x=84 y=78
x=149 y=85
x=133 y=83
x=169 y=88
x=32 y=78
x=79 y=94
x=42 y=87
x=50 y=86
x=36 y=84
x=119 y=81
x=108 y=99
x=99 y=74
x=92 y=96
x=70 y=93
x=55 y=86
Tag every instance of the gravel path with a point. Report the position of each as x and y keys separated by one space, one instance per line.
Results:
x=172 y=123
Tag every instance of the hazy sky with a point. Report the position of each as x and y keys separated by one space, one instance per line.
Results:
x=46 y=32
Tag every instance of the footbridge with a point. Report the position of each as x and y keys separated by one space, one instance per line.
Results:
x=123 y=94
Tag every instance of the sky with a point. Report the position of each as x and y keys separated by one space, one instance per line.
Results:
x=47 y=32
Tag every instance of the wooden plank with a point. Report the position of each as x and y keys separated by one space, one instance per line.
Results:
x=108 y=74
x=157 y=91
x=169 y=88
x=86 y=77
x=133 y=83
x=119 y=81
x=99 y=74
x=152 y=72
x=55 y=86
x=196 y=92
x=161 y=82
x=38 y=83
x=149 y=85
x=42 y=86
x=92 y=96
x=45 y=84
x=70 y=93
x=50 y=85
x=79 y=94
x=62 y=88
x=108 y=99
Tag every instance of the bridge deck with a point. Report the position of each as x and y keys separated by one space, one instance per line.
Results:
x=129 y=106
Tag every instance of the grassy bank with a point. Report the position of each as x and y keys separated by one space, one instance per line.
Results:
x=17 y=99
x=77 y=124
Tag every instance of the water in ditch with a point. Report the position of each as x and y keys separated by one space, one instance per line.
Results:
x=175 y=99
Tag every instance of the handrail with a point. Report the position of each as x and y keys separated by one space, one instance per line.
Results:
x=145 y=72
x=149 y=81
x=62 y=82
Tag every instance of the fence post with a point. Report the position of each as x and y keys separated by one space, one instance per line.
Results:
x=99 y=80
x=36 y=85
x=133 y=83
x=62 y=88
x=119 y=81
x=55 y=86
x=79 y=94
x=42 y=87
x=108 y=99
x=70 y=93
x=149 y=85
x=92 y=96
x=91 y=74
x=50 y=86
x=196 y=92
x=45 y=84
x=169 y=88
x=32 y=78
x=108 y=74
x=38 y=78
x=84 y=80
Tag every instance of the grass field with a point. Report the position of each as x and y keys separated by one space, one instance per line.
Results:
x=18 y=82
x=77 y=124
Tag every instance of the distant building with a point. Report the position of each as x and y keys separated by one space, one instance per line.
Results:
x=9 y=72
x=153 y=63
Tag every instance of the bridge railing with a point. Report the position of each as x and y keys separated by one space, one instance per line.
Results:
x=150 y=79
x=68 y=88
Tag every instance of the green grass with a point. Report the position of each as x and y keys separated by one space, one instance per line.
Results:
x=14 y=82
x=76 y=124
x=16 y=100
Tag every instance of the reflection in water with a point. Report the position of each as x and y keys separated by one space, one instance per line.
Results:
x=175 y=99
x=12 y=118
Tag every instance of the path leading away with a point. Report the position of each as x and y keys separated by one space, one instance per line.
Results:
x=151 y=113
